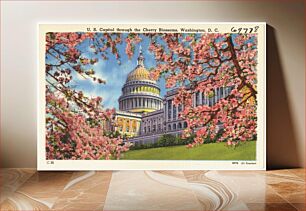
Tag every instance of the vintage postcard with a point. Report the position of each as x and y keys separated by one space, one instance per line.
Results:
x=152 y=96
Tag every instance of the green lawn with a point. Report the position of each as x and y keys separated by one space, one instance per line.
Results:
x=214 y=151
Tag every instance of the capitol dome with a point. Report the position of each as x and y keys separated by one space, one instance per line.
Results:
x=140 y=93
x=140 y=73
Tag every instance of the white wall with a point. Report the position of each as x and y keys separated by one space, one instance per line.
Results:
x=286 y=77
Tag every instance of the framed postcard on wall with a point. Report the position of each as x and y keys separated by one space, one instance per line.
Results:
x=159 y=96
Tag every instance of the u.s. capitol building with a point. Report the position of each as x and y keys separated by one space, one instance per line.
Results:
x=144 y=116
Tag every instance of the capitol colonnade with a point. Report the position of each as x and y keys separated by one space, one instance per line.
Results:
x=128 y=123
x=171 y=111
x=201 y=98
x=131 y=102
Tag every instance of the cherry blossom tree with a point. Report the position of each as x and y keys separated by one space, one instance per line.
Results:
x=76 y=125
x=201 y=63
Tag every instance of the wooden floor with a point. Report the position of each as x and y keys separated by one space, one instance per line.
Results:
x=27 y=189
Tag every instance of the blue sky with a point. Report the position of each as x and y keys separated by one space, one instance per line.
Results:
x=114 y=74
